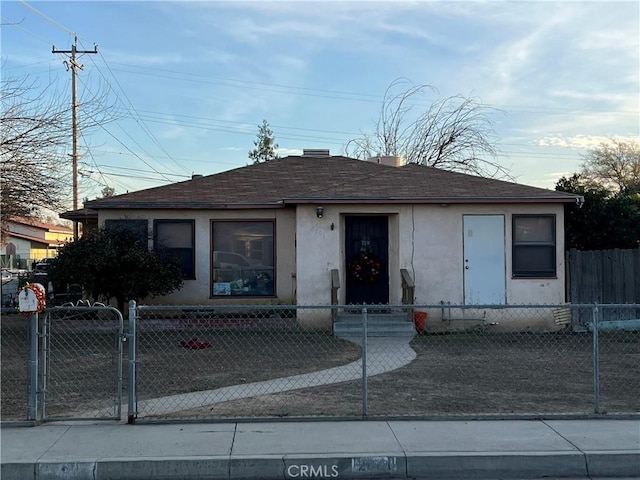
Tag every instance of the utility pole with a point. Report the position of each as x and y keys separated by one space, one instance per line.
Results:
x=74 y=66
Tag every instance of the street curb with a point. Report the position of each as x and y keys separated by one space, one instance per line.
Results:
x=613 y=464
x=504 y=465
x=186 y=468
x=441 y=465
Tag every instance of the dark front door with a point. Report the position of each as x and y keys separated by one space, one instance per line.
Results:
x=367 y=260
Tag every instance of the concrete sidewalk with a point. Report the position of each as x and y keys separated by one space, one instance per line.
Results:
x=442 y=449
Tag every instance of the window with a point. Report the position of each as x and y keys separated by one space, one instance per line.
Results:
x=243 y=258
x=176 y=238
x=139 y=227
x=534 y=246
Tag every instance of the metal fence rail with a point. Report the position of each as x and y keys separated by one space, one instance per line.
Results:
x=196 y=361
x=249 y=361
x=81 y=363
x=618 y=357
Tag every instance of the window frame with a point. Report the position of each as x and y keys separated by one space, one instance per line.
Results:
x=127 y=223
x=167 y=221
x=518 y=246
x=212 y=282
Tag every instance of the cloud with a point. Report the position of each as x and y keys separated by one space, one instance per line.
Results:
x=283 y=152
x=578 y=141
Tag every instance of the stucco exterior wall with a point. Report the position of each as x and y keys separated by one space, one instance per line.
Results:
x=427 y=240
x=438 y=262
x=198 y=291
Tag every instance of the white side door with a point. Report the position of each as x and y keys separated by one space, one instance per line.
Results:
x=484 y=260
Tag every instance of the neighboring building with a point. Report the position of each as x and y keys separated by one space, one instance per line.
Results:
x=29 y=240
x=272 y=233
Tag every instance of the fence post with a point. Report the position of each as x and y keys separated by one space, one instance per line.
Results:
x=44 y=367
x=132 y=336
x=364 y=362
x=596 y=361
x=33 y=368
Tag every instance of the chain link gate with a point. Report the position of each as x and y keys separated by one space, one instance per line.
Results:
x=81 y=357
x=248 y=361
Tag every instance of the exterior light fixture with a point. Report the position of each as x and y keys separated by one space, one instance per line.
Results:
x=319 y=211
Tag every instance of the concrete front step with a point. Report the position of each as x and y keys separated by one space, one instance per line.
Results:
x=394 y=324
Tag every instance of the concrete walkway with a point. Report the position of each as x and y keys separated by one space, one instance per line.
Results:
x=384 y=354
x=482 y=449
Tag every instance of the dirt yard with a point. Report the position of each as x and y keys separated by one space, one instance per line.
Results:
x=464 y=373
x=473 y=374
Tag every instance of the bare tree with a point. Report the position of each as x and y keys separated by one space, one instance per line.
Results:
x=453 y=133
x=34 y=143
x=32 y=139
x=615 y=163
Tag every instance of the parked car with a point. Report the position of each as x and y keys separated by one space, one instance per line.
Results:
x=7 y=276
x=44 y=264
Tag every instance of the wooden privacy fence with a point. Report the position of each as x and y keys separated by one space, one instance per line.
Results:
x=604 y=277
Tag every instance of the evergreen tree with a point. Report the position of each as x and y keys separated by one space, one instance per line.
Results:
x=607 y=219
x=116 y=264
x=265 y=146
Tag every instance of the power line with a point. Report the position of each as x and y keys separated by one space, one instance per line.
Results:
x=59 y=25
x=98 y=166
x=74 y=66
x=131 y=151
x=250 y=84
x=192 y=77
x=237 y=83
x=49 y=19
x=145 y=128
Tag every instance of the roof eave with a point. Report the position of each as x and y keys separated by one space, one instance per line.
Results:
x=80 y=215
x=154 y=205
x=436 y=200
x=41 y=241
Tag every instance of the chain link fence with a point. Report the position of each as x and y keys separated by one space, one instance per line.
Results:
x=81 y=363
x=15 y=342
x=65 y=363
x=243 y=361
x=203 y=361
x=235 y=362
x=617 y=338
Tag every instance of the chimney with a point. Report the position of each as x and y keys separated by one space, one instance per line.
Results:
x=391 y=160
x=315 y=152
x=195 y=176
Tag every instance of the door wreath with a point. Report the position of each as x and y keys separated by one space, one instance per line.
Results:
x=364 y=268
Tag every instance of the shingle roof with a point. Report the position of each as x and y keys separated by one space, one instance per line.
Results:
x=335 y=179
x=33 y=238
x=34 y=222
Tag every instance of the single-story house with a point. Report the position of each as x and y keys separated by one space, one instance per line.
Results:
x=318 y=229
x=27 y=240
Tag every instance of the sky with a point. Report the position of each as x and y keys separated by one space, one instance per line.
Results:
x=187 y=84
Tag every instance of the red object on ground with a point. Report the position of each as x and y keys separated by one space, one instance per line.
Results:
x=420 y=320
